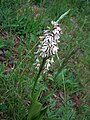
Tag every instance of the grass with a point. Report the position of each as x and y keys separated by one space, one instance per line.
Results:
x=66 y=87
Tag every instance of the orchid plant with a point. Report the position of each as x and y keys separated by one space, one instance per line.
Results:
x=47 y=48
x=48 y=45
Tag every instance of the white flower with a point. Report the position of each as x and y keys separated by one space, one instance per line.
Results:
x=47 y=64
x=57 y=37
x=56 y=31
x=54 y=23
x=37 y=64
x=52 y=61
x=55 y=49
x=49 y=45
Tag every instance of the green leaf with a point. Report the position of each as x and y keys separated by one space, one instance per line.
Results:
x=33 y=38
x=43 y=111
x=36 y=111
x=52 y=119
x=33 y=111
x=2 y=43
x=63 y=15
x=3 y=107
x=37 y=94
x=50 y=77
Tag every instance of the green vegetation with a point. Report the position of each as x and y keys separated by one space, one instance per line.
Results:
x=64 y=93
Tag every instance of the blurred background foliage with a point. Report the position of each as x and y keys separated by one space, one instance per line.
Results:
x=68 y=95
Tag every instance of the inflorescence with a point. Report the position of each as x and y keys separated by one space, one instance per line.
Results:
x=48 y=46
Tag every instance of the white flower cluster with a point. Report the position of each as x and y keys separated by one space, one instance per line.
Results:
x=48 y=45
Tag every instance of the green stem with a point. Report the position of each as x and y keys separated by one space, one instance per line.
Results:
x=36 y=80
